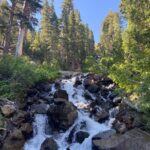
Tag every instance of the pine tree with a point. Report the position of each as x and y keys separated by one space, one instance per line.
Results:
x=67 y=8
x=110 y=42
x=50 y=31
x=9 y=25
x=3 y=21
x=27 y=20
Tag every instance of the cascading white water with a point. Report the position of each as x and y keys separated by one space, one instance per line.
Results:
x=92 y=127
x=39 y=126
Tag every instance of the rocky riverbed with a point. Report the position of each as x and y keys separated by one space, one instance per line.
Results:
x=78 y=111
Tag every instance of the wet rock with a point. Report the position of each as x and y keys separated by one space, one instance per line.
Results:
x=77 y=82
x=45 y=96
x=119 y=127
x=113 y=112
x=81 y=136
x=15 y=141
x=88 y=96
x=117 y=100
x=88 y=82
x=93 y=88
x=27 y=130
x=8 y=110
x=71 y=134
x=60 y=101
x=61 y=94
x=61 y=117
x=105 y=105
x=49 y=144
x=83 y=125
x=40 y=108
x=57 y=84
x=104 y=135
x=101 y=116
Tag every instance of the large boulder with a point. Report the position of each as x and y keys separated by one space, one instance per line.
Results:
x=130 y=117
x=61 y=94
x=49 y=144
x=104 y=135
x=135 y=139
x=15 y=141
x=62 y=116
x=8 y=110
x=81 y=136
x=114 y=142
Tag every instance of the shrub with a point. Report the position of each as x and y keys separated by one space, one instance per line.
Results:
x=19 y=74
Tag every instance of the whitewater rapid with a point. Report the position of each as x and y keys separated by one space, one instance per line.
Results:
x=92 y=127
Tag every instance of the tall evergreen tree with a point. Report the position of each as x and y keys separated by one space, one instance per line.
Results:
x=8 y=32
x=67 y=8
x=110 y=42
x=50 y=31
x=27 y=20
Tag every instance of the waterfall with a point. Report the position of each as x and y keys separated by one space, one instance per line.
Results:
x=39 y=126
x=92 y=127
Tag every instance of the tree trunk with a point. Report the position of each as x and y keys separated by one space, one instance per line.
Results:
x=22 y=30
x=9 y=29
x=19 y=46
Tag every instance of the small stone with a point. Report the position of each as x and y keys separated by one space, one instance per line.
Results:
x=49 y=144
x=81 y=136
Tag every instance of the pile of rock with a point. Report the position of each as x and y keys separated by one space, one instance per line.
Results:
x=17 y=126
x=62 y=113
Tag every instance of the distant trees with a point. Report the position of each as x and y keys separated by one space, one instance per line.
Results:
x=75 y=37
x=65 y=39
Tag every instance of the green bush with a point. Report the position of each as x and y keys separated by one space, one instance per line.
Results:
x=19 y=74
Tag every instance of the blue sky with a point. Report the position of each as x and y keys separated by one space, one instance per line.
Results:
x=93 y=12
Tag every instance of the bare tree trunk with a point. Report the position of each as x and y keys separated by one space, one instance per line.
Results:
x=22 y=30
x=9 y=29
x=19 y=46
